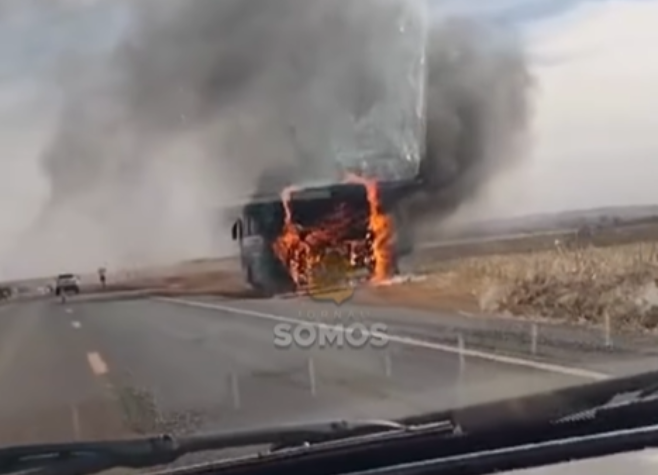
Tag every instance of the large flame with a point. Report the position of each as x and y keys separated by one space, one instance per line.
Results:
x=305 y=250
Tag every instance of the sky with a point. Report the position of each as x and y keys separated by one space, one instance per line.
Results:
x=594 y=134
x=595 y=99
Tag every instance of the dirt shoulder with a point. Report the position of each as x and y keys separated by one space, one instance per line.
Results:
x=417 y=295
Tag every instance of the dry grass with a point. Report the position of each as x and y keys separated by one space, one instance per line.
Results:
x=582 y=285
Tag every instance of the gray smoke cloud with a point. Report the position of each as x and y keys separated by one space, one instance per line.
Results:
x=478 y=106
x=199 y=101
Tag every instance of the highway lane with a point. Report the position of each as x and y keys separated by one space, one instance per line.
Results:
x=117 y=368
x=184 y=368
x=353 y=383
x=47 y=391
x=190 y=357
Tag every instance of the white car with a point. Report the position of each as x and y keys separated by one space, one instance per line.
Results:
x=68 y=283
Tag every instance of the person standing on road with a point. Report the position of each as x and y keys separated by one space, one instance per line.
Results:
x=102 y=276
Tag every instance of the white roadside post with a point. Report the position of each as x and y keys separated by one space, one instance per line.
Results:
x=462 y=359
x=235 y=389
x=311 y=376
x=388 y=364
x=461 y=370
x=534 y=335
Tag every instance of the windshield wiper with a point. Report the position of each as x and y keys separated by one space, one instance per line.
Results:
x=526 y=456
x=590 y=412
x=578 y=422
x=90 y=457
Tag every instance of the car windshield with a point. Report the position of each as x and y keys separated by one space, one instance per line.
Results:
x=510 y=247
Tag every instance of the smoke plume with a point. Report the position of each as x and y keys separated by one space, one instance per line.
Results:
x=202 y=102
x=477 y=107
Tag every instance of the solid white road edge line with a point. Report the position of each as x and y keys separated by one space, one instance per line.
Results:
x=510 y=360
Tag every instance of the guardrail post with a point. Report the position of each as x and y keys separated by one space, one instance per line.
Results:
x=534 y=334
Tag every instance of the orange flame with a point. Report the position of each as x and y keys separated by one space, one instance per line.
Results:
x=304 y=249
x=381 y=227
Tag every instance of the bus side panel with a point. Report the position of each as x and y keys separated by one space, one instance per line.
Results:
x=266 y=272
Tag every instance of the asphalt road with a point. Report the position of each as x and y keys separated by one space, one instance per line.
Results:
x=117 y=368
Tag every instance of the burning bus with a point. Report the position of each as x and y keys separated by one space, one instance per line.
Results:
x=286 y=241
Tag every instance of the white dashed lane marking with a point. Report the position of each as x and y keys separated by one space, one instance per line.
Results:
x=97 y=364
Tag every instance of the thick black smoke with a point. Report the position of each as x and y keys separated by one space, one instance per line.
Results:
x=477 y=107
x=209 y=97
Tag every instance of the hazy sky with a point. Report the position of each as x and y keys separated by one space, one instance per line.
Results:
x=595 y=131
x=595 y=141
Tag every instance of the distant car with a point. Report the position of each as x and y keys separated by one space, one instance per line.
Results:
x=67 y=283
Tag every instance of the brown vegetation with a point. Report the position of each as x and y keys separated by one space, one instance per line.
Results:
x=578 y=284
